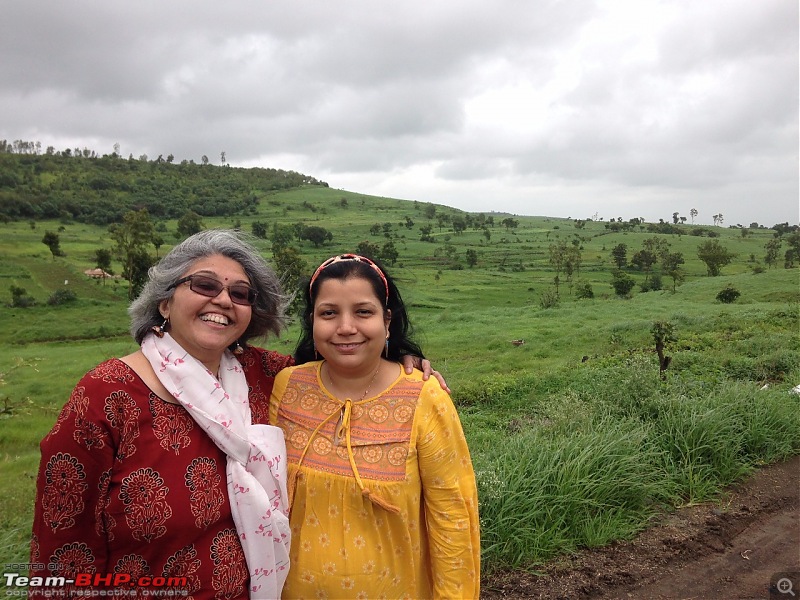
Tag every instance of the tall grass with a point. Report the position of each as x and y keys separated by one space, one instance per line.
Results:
x=594 y=461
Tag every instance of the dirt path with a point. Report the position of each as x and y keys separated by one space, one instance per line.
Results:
x=737 y=548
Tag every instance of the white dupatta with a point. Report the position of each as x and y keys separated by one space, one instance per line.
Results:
x=256 y=465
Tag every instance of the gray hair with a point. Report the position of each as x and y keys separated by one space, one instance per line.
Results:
x=268 y=311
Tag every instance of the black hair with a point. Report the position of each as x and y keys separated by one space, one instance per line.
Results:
x=400 y=329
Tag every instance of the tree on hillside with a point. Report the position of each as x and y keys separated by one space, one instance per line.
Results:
x=459 y=224
x=472 y=257
x=622 y=283
x=102 y=260
x=426 y=233
x=644 y=260
x=658 y=246
x=715 y=255
x=316 y=235
x=572 y=261
x=693 y=213
x=52 y=241
x=773 y=248
x=132 y=238
x=157 y=242
x=672 y=266
x=368 y=249
x=259 y=229
x=291 y=268
x=389 y=253
x=509 y=223
x=793 y=253
x=189 y=224
x=620 y=255
x=558 y=255
x=282 y=236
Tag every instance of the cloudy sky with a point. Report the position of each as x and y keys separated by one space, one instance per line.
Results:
x=570 y=108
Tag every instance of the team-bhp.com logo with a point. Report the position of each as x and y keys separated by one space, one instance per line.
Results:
x=94 y=584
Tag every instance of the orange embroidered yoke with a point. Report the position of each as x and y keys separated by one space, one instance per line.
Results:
x=406 y=451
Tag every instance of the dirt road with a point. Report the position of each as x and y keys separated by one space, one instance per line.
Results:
x=745 y=546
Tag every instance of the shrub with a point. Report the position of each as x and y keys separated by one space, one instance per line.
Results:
x=622 y=283
x=728 y=294
x=548 y=300
x=584 y=291
x=20 y=298
x=652 y=285
x=61 y=296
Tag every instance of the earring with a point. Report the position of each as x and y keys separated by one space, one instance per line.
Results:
x=237 y=348
x=159 y=330
x=316 y=354
x=386 y=348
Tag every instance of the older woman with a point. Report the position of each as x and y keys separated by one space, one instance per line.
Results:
x=161 y=468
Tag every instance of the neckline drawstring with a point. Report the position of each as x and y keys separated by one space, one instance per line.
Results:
x=345 y=409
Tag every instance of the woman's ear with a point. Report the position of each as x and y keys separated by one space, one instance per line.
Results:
x=387 y=317
x=163 y=308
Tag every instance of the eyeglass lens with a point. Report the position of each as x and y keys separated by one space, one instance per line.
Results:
x=238 y=292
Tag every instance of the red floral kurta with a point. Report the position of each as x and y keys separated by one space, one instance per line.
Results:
x=128 y=483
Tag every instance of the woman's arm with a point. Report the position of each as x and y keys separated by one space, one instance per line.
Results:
x=450 y=497
x=69 y=530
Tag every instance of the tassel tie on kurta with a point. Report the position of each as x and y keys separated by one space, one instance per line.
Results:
x=342 y=432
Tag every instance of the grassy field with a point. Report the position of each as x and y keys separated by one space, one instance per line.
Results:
x=575 y=437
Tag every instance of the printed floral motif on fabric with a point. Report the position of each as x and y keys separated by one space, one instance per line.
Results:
x=259 y=404
x=35 y=549
x=103 y=522
x=230 y=573
x=205 y=495
x=380 y=428
x=134 y=565
x=62 y=497
x=184 y=563
x=171 y=424
x=144 y=494
x=77 y=402
x=71 y=559
x=112 y=371
x=123 y=414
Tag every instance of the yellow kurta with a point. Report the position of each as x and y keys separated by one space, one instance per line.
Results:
x=409 y=452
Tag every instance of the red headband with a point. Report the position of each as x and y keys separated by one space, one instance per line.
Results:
x=355 y=257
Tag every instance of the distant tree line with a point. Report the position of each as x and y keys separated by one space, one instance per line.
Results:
x=77 y=184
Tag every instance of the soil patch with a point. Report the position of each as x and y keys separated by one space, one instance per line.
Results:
x=745 y=545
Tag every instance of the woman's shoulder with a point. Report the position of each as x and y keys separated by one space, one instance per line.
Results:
x=109 y=372
x=269 y=362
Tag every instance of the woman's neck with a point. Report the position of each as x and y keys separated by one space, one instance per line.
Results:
x=355 y=386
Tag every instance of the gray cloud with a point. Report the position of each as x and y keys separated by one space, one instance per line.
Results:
x=631 y=108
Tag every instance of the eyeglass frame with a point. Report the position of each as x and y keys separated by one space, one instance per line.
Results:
x=252 y=293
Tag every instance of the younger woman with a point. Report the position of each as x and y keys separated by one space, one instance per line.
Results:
x=381 y=488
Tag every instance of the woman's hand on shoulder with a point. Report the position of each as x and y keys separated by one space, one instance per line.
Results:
x=423 y=364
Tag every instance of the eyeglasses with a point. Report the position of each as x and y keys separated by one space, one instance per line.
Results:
x=239 y=293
